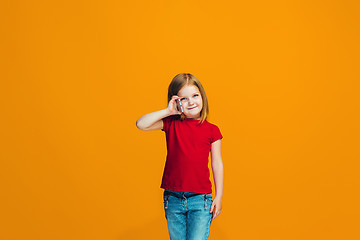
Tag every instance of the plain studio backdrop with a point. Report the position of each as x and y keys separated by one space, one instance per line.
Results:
x=282 y=79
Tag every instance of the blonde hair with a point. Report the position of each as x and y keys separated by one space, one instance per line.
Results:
x=183 y=79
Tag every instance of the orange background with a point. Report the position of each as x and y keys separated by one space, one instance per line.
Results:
x=282 y=78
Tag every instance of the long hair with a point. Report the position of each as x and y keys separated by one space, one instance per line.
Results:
x=183 y=79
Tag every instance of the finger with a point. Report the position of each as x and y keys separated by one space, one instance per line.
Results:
x=173 y=105
x=173 y=100
x=214 y=216
x=174 y=97
x=217 y=212
x=212 y=207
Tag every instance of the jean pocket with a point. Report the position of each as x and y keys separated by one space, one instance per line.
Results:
x=207 y=200
x=166 y=201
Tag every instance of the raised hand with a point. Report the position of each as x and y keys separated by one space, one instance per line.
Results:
x=172 y=106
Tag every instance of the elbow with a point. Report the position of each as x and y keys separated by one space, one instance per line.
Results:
x=217 y=163
x=140 y=126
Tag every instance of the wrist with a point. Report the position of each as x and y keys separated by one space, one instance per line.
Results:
x=167 y=112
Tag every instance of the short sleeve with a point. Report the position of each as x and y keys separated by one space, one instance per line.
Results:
x=166 y=122
x=215 y=134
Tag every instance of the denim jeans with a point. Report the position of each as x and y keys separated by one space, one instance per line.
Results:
x=188 y=215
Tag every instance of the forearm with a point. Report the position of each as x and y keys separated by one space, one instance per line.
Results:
x=149 y=119
x=218 y=173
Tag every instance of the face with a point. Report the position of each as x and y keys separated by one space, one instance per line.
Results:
x=191 y=100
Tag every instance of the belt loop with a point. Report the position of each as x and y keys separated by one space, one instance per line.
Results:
x=205 y=201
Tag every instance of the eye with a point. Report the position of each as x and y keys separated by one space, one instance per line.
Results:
x=196 y=95
x=182 y=99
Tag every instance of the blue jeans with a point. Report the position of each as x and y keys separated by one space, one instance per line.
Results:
x=188 y=215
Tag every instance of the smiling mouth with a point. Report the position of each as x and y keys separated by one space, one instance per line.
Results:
x=191 y=108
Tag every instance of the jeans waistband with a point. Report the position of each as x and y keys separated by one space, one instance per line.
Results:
x=184 y=194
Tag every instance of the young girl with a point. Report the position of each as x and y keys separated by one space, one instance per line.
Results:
x=189 y=207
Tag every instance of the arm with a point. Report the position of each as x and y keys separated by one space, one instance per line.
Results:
x=218 y=173
x=153 y=121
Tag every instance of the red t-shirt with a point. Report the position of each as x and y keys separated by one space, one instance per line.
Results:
x=188 y=147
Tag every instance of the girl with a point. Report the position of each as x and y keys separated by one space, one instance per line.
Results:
x=189 y=207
